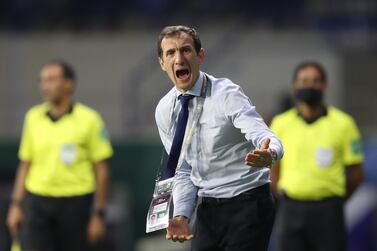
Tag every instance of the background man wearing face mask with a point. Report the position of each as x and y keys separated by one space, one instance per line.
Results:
x=322 y=166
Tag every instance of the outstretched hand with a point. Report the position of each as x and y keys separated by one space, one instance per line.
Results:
x=178 y=230
x=260 y=157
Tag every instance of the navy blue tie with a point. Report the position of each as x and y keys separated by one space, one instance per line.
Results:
x=176 y=146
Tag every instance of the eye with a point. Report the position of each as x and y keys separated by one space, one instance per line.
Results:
x=317 y=81
x=170 y=53
x=186 y=49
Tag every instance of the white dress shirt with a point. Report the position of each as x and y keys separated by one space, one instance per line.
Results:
x=228 y=128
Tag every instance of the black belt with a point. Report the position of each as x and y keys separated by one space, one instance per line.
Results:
x=309 y=201
x=250 y=194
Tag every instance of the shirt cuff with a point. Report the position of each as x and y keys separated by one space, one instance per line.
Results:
x=184 y=211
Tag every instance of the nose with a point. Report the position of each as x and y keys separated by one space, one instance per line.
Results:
x=310 y=83
x=179 y=58
x=44 y=86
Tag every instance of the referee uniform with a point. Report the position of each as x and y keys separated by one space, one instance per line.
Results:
x=312 y=178
x=61 y=179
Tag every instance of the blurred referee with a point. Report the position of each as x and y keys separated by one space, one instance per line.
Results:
x=322 y=166
x=59 y=195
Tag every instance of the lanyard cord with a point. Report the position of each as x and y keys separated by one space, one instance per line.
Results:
x=198 y=110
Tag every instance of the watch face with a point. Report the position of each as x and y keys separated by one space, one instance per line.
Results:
x=274 y=157
x=100 y=213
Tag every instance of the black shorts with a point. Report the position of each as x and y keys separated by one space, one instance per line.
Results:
x=55 y=224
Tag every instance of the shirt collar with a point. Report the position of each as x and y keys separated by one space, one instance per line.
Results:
x=196 y=89
x=314 y=119
x=54 y=119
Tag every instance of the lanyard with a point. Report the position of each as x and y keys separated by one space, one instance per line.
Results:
x=195 y=119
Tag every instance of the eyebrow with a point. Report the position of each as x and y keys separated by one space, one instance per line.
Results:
x=186 y=46
x=170 y=50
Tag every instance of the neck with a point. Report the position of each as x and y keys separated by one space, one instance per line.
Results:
x=309 y=112
x=61 y=107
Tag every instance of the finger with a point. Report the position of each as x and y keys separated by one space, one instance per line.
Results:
x=182 y=238
x=168 y=236
x=264 y=156
x=249 y=163
x=190 y=237
x=94 y=238
x=251 y=156
x=261 y=152
x=91 y=238
x=12 y=231
x=176 y=238
x=255 y=160
x=266 y=144
x=255 y=164
x=254 y=151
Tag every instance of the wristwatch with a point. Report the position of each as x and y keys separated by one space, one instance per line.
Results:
x=274 y=157
x=180 y=217
x=100 y=213
x=16 y=202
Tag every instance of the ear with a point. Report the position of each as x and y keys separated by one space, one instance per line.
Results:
x=70 y=86
x=324 y=87
x=293 y=86
x=201 y=56
x=161 y=61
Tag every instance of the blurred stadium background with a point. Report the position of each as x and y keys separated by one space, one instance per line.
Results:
x=112 y=45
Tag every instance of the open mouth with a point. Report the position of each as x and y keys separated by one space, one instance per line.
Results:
x=182 y=74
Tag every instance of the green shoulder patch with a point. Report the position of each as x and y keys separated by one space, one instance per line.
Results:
x=356 y=146
x=105 y=133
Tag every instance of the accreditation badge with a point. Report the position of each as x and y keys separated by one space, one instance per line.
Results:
x=325 y=157
x=158 y=213
x=68 y=154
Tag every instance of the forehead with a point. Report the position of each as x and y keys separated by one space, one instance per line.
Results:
x=177 y=40
x=51 y=69
x=309 y=71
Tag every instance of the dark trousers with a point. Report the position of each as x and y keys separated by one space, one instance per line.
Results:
x=55 y=224
x=243 y=223
x=311 y=225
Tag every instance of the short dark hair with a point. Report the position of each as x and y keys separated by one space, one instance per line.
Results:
x=68 y=71
x=313 y=64
x=170 y=31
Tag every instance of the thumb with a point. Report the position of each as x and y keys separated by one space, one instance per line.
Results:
x=265 y=144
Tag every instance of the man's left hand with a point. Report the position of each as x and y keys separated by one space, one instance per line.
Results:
x=96 y=229
x=261 y=157
x=178 y=230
